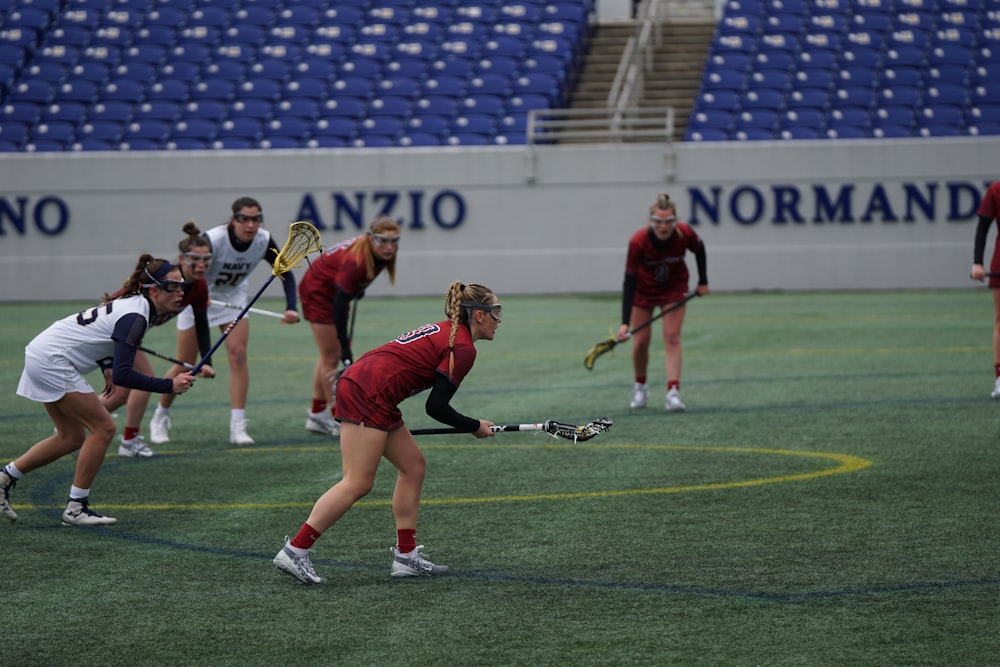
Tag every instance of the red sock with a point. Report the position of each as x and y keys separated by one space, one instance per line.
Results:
x=673 y=384
x=130 y=432
x=406 y=540
x=996 y=367
x=319 y=405
x=306 y=537
x=640 y=379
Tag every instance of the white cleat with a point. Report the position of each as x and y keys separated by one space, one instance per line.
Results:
x=77 y=513
x=135 y=448
x=996 y=389
x=322 y=422
x=416 y=565
x=639 y=396
x=159 y=429
x=673 y=403
x=238 y=432
x=299 y=567
x=6 y=484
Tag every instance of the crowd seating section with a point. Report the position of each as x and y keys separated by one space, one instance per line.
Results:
x=231 y=74
x=837 y=69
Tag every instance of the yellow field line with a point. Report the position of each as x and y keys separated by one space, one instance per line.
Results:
x=847 y=464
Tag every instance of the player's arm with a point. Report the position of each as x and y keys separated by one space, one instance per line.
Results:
x=628 y=298
x=127 y=335
x=287 y=283
x=341 y=307
x=438 y=406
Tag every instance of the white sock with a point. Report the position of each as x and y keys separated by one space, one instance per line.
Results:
x=297 y=551
x=76 y=493
x=161 y=411
x=12 y=470
x=237 y=414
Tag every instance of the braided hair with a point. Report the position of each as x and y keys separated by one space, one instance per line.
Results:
x=459 y=314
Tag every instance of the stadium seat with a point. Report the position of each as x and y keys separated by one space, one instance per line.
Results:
x=848 y=117
x=297 y=107
x=813 y=77
x=78 y=91
x=348 y=107
x=246 y=128
x=257 y=88
x=857 y=76
x=942 y=115
x=420 y=139
x=428 y=124
x=292 y=128
x=901 y=76
x=709 y=101
x=485 y=104
x=315 y=89
x=224 y=68
x=805 y=117
x=853 y=96
x=946 y=94
x=250 y=108
x=753 y=134
x=900 y=95
x=807 y=98
x=112 y=110
x=21 y=112
x=761 y=99
x=889 y=132
x=155 y=131
x=718 y=120
x=104 y=131
x=342 y=127
x=799 y=132
x=197 y=128
x=353 y=86
x=187 y=144
x=438 y=105
x=167 y=110
x=390 y=105
x=175 y=90
x=208 y=109
x=468 y=139
x=846 y=132
x=478 y=123
x=901 y=116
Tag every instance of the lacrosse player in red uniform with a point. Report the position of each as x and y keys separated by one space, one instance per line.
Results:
x=989 y=210
x=55 y=362
x=328 y=286
x=655 y=277
x=194 y=259
x=435 y=356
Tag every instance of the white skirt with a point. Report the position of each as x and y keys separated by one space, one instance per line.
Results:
x=46 y=380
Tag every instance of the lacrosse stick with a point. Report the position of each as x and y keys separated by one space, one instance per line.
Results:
x=556 y=429
x=166 y=357
x=609 y=343
x=303 y=239
x=255 y=311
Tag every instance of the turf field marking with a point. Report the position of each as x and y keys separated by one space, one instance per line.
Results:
x=847 y=464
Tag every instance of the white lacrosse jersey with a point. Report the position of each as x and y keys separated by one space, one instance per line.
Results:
x=84 y=339
x=228 y=275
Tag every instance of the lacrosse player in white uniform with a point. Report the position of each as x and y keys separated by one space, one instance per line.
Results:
x=106 y=336
x=237 y=249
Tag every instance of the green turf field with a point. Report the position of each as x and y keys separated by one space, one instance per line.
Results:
x=829 y=498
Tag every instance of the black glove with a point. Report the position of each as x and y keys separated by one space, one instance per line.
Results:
x=346 y=355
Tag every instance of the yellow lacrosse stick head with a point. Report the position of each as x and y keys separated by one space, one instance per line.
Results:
x=303 y=238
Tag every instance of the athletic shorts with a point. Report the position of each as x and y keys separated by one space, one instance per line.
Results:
x=217 y=316
x=672 y=294
x=48 y=380
x=317 y=299
x=355 y=406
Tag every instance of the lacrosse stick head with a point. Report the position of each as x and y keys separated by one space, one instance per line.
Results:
x=605 y=345
x=578 y=433
x=303 y=238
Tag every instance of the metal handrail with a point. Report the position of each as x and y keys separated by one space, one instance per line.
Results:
x=602 y=125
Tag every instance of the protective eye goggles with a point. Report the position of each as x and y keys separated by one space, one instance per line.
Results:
x=165 y=285
x=379 y=240
x=244 y=218
x=656 y=220
x=192 y=258
x=495 y=310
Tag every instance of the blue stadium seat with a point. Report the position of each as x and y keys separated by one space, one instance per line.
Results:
x=800 y=132
x=857 y=76
x=151 y=130
x=53 y=72
x=224 y=68
x=901 y=116
x=438 y=105
x=78 y=91
x=946 y=94
x=947 y=75
x=183 y=70
x=762 y=99
x=245 y=128
x=857 y=56
x=706 y=134
x=490 y=84
x=348 y=107
x=524 y=103
x=119 y=111
x=708 y=101
x=390 y=126
x=390 y=105
x=792 y=23
x=420 y=139
x=188 y=144
x=753 y=134
x=746 y=25
x=853 y=96
x=280 y=141
x=298 y=107
x=398 y=86
x=167 y=110
x=428 y=124
x=806 y=98
x=901 y=76
x=256 y=88
x=944 y=115
x=814 y=77
x=207 y=109
x=91 y=144
x=251 y=108
x=938 y=130
x=904 y=56
x=413 y=68
x=900 y=95
x=487 y=104
x=725 y=80
x=478 y=123
x=195 y=128
x=213 y=89
x=805 y=117
x=984 y=95
x=275 y=69
x=983 y=129
x=104 y=131
x=448 y=86
x=353 y=86
x=468 y=139
x=846 y=132
x=719 y=120
x=41 y=92
x=848 y=117
x=890 y=132
x=951 y=54
x=21 y=112
x=191 y=52
x=14 y=132
x=316 y=89
x=780 y=60
x=342 y=127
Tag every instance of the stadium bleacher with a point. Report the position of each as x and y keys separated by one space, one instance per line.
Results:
x=851 y=69
x=79 y=75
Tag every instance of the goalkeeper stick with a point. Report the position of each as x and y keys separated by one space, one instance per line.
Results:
x=573 y=432
x=255 y=311
x=166 y=357
x=609 y=343
x=303 y=239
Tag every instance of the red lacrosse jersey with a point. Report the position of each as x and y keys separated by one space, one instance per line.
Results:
x=408 y=364
x=661 y=273
x=990 y=205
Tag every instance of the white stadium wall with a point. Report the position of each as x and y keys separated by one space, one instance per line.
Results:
x=774 y=215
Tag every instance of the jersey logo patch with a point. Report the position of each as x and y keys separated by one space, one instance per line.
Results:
x=417 y=333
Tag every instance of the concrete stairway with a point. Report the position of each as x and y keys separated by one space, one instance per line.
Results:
x=677 y=67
